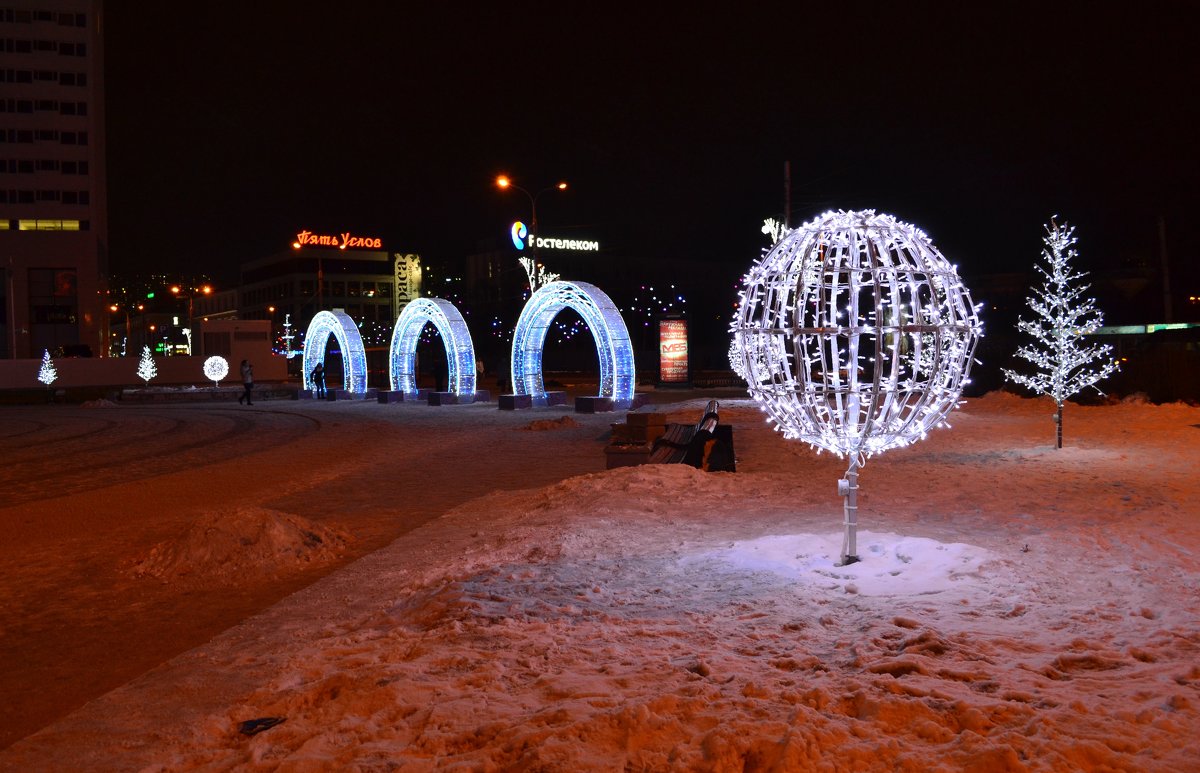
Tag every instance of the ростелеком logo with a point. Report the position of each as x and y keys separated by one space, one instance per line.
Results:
x=519 y=232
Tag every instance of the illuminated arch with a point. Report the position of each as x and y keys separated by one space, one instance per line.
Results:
x=460 y=350
x=617 y=376
x=338 y=324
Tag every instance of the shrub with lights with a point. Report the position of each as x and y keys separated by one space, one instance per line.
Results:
x=855 y=335
x=1062 y=317
x=617 y=375
x=450 y=325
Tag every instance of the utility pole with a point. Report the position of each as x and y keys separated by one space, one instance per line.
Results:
x=787 y=194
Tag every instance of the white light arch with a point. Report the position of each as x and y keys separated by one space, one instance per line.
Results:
x=338 y=324
x=460 y=350
x=617 y=375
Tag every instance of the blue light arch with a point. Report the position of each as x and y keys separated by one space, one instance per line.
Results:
x=336 y=323
x=460 y=350
x=617 y=375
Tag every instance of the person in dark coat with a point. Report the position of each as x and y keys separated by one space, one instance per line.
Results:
x=247 y=382
x=318 y=379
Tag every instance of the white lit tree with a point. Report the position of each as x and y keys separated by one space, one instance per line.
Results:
x=47 y=374
x=146 y=369
x=1064 y=364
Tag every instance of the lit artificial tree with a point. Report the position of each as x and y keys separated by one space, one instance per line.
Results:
x=146 y=369
x=1062 y=317
x=47 y=374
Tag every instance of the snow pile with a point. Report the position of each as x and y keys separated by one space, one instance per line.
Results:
x=1017 y=608
x=891 y=565
x=231 y=546
x=99 y=403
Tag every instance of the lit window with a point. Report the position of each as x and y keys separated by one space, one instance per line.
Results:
x=48 y=225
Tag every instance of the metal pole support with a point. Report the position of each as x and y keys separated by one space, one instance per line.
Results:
x=848 y=488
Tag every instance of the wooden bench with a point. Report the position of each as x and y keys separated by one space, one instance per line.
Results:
x=705 y=445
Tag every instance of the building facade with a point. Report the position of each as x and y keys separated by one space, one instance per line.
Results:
x=53 y=207
x=369 y=284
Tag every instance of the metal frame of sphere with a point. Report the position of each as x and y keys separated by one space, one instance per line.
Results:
x=855 y=335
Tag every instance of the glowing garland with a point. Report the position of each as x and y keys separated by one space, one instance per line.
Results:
x=855 y=335
x=215 y=369
x=450 y=325
x=735 y=361
x=1065 y=365
x=47 y=373
x=146 y=368
x=617 y=375
x=536 y=272
x=338 y=324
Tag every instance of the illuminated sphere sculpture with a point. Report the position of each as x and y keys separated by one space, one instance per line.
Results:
x=856 y=335
x=460 y=351
x=216 y=368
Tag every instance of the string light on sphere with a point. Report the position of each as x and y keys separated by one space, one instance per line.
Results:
x=855 y=335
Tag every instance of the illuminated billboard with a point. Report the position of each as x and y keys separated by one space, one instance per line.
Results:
x=672 y=351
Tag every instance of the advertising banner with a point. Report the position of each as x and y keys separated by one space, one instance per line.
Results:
x=672 y=351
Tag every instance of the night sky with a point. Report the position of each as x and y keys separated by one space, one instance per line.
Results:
x=233 y=125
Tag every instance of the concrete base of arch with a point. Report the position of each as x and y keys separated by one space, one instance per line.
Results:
x=515 y=402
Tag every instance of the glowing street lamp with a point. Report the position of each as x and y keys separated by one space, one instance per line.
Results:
x=532 y=267
x=190 y=294
x=503 y=182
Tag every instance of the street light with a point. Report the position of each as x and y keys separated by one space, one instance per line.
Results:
x=504 y=183
x=178 y=292
x=532 y=267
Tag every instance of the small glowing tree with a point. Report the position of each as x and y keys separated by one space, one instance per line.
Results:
x=216 y=368
x=47 y=374
x=146 y=369
x=1062 y=317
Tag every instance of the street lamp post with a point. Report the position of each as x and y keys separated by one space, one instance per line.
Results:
x=114 y=308
x=504 y=183
x=178 y=292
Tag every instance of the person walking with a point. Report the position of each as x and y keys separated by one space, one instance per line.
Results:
x=247 y=382
x=318 y=380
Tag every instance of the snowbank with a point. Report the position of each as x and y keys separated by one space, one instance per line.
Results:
x=1018 y=608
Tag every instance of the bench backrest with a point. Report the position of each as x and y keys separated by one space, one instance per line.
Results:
x=708 y=422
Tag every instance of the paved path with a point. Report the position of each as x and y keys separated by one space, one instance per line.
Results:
x=85 y=492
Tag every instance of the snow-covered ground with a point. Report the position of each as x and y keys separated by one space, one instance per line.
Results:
x=1018 y=607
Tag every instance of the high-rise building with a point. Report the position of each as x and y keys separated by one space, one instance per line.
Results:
x=53 y=208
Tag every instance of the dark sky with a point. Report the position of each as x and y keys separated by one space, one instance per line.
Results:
x=233 y=125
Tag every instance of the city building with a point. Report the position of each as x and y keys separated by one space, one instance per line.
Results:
x=53 y=216
x=329 y=272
